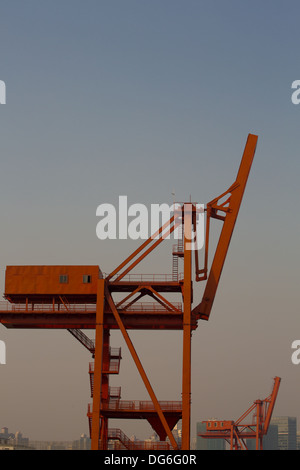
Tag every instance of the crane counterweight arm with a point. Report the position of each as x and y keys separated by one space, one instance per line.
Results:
x=230 y=209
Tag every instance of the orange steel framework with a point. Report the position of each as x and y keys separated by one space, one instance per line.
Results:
x=236 y=432
x=83 y=298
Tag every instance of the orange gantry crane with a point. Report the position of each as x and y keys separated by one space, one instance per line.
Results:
x=82 y=297
x=236 y=432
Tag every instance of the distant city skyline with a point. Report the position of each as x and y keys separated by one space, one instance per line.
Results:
x=283 y=434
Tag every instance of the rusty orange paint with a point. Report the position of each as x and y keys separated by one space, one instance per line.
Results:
x=44 y=282
x=55 y=294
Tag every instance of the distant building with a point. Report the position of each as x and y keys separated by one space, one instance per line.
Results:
x=84 y=443
x=10 y=441
x=5 y=444
x=270 y=441
x=208 y=444
x=287 y=432
x=298 y=440
x=51 y=445
x=4 y=434
x=177 y=433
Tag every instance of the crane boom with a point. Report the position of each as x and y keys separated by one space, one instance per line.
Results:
x=230 y=209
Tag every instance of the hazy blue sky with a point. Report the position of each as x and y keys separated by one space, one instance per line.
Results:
x=140 y=98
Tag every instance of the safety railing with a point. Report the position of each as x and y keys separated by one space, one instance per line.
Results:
x=118 y=435
x=114 y=393
x=153 y=278
x=83 y=339
x=126 y=405
x=112 y=367
x=115 y=353
x=150 y=307
x=46 y=307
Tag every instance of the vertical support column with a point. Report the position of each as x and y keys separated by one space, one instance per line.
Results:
x=187 y=301
x=231 y=437
x=258 y=425
x=99 y=340
x=104 y=393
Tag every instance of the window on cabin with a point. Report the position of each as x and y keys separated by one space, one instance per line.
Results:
x=63 y=279
x=87 y=279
